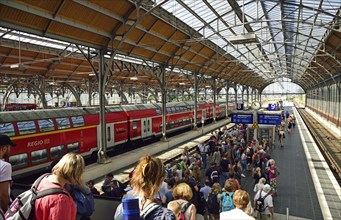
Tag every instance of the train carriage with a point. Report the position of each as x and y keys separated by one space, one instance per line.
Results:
x=46 y=135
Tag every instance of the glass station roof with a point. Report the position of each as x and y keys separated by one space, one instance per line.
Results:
x=287 y=33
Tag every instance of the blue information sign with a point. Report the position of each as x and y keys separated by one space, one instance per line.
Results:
x=269 y=119
x=272 y=107
x=240 y=118
x=240 y=106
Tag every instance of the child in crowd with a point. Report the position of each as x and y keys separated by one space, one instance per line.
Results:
x=175 y=207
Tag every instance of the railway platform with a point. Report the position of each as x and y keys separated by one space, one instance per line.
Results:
x=307 y=188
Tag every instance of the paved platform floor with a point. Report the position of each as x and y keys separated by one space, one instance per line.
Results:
x=299 y=164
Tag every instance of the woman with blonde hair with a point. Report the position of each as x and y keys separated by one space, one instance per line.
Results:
x=258 y=174
x=214 y=201
x=197 y=173
x=259 y=185
x=68 y=170
x=182 y=193
x=146 y=181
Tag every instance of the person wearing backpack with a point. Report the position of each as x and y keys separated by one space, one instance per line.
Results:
x=263 y=203
x=83 y=199
x=67 y=171
x=213 y=204
x=183 y=194
x=213 y=173
x=241 y=200
x=146 y=181
x=226 y=201
x=5 y=171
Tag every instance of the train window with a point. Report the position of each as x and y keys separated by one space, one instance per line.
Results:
x=134 y=124
x=77 y=121
x=39 y=156
x=158 y=111
x=108 y=134
x=45 y=125
x=26 y=127
x=74 y=147
x=57 y=151
x=18 y=161
x=144 y=127
x=7 y=128
x=63 y=123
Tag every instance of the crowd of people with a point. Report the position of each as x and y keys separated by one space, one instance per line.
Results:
x=206 y=184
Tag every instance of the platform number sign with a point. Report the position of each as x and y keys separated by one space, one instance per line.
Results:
x=272 y=107
x=240 y=106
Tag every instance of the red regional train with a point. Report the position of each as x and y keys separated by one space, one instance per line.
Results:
x=46 y=135
x=20 y=106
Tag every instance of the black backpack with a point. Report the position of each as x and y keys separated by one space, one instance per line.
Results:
x=200 y=202
x=213 y=204
x=260 y=207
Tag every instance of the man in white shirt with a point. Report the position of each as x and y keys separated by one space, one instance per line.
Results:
x=203 y=150
x=268 y=213
x=5 y=171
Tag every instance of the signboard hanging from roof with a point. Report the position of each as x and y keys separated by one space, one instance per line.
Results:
x=269 y=119
x=242 y=118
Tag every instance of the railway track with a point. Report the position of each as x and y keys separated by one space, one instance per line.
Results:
x=327 y=142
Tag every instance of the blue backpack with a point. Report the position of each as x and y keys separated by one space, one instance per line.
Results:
x=227 y=203
x=85 y=202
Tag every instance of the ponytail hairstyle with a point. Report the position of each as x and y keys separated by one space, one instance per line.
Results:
x=148 y=176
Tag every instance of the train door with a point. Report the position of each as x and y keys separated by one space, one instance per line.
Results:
x=203 y=115
x=110 y=135
x=146 y=127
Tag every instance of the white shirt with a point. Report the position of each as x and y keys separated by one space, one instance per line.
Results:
x=203 y=148
x=267 y=201
x=235 y=214
x=5 y=173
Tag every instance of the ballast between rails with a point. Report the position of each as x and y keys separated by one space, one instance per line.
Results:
x=323 y=145
x=43 y=136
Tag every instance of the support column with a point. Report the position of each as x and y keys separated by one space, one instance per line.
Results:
x=102 y=152
x=235 y=95
x=195 y=116
x=214 y=99
x=164 y=100
x=247 y=97
x=227 y=98
x=338 y=86
x=243 y=95
x=329 y=102
x=89 y=92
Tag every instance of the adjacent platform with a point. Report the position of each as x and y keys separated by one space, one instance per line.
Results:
x=306 y=185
